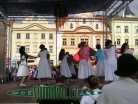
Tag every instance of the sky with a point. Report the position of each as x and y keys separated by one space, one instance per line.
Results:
x=134 y=7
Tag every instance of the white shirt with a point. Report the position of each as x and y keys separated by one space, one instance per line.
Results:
x=90 y=99
x=122 y=91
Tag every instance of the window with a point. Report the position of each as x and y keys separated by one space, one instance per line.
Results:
x=18 y=36
x=85 y=40
x=50 y=36
x=18 y=47
x=126 y=41
x=27 y=48
x=42 y=36
x=50 y=49
x=72 y=42
x=136 y=41
x=118 y=29
x=27 y=36
x=97 y=26
x=84 y=21
x=64 y=41
x=35 y=48
x=118 y=42
x=136 y=29
x=126 y=29
x=98 y=41
x=71 y=26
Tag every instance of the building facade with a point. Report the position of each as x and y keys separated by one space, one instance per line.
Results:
x=81 y=27
x=32 y=34
x=125 y=30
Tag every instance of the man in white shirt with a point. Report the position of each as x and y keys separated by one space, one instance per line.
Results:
x=124 y=90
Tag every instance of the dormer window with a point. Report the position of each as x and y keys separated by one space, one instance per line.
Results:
x=71 y=26
x=84 y=21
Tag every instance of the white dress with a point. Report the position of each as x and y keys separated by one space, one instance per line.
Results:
x=111 y=64
x=85 y=69
x=23 y=68
x=44 y=70
x=64 y=67
x=72 y=69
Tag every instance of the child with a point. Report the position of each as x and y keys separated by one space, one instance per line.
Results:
x=85 y=84
x=93 y=85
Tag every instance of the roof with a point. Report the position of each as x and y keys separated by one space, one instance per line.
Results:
x=128 y=11
x=45 y=7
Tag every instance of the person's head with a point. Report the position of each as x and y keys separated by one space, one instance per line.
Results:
x=67 y=53
x=22 y=50
x=79 y=45
x=93 y=82
x=83 y=43
x=108 y=42
x=85 y=82
x=98 y=46
x=124 y=48
x=61 y=80
x=127 y=66
x=42 y=47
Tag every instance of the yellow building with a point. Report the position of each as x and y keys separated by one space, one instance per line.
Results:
x=81 y=27
x=32 y=34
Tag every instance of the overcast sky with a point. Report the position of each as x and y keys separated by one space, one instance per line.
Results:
x=134 y=7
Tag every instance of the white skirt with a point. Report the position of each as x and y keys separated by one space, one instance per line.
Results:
x=72 y=69
x=99 y=71
x=85 y=69
x=23 y=71
x=64 y=69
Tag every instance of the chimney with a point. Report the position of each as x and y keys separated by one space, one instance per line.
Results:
x=123 y=14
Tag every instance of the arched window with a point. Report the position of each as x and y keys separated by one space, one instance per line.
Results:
x=84 y=21
x=97 y=26
x=71 y=26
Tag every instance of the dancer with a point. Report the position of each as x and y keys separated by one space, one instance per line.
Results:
x=101 y=57
x=23 y=70
x=64 y=67
x=125 y=49
x=85 y=66
x=44 y=70
x=71 y=64
x=111 y=61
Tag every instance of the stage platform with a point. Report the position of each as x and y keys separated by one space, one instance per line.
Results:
x=7 y=86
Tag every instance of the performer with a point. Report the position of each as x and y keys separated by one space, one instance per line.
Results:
x=64 y=67
x=111 y=61
x=71 y=64
x=44 y=70
x=125 y=49
x=85 y=66
x=101 y=57
x=23 y=70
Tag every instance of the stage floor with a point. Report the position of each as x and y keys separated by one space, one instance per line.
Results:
x=7 y=86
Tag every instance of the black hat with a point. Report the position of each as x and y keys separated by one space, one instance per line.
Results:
x=126 y=65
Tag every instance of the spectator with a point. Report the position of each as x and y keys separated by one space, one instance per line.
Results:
x=124 y=90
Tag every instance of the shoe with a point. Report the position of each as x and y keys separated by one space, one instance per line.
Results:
x=46 y=83
x=42 y=85
x=22 y=85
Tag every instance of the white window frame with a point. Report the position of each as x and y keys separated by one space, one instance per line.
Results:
x=118 y=29
x=126 y=40
x=97 y=26
x=17 y=48
x=72 y=42
x=18 y=35
x=43 y=36
x=136 y=29
x=64 y=42
x=136 y=41
x=126 y=29
x=50 y=36
x=98 y=41
x=27 y=36
x=118 y=42
x=50 y=49
x=27 y=48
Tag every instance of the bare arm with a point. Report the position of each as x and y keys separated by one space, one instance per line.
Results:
x=30 y=57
